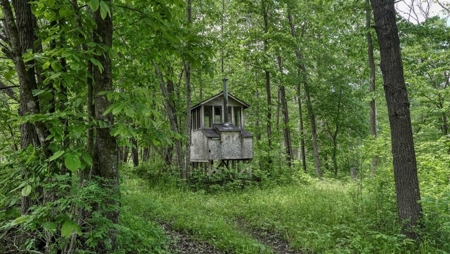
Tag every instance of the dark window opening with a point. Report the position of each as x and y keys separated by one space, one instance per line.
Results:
x=207 y=116
x=237 y=117
x=217 y=114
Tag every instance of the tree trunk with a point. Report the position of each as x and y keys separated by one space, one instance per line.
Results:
x=373 y=109
x=21 y=38
x=444 y=124
x=302 y=130
x=145 y=154
x=105 y=161
x=333 y=134
x=265 y=11
x=285 y=112
x=187 y=129
x=134 y=152
x=309 y=107
x=404 y=159
x=168 y=94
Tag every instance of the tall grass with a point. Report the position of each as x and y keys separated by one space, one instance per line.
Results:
x=320 y=217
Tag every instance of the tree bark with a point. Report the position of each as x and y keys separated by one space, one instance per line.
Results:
x=309 y=107
x=333 y=134
x=404 y=159
x=373 y=108
x=21 y=38
x=105 y=161
x=187 y=129
x=302 y=129
x=134 y=152
x=267 y=78
x=168 y=94
x=285 y=112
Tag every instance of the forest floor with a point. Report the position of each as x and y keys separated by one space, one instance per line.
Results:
x=326 y=216
x=183 y=243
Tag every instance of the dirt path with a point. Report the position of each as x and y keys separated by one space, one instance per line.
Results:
x=276 y=242
x=185 y=244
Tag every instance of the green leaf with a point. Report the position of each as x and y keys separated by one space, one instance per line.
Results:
x=20 y=220
x=98 y=64
x=56 y=66
x=72 y=162
x=50 y=226
x=94 y=4
x=104 y=9
x=87 y=158
x=45 y=65
x=68 y=227
x=9 y=74
x=56 y=155
x=26 y=190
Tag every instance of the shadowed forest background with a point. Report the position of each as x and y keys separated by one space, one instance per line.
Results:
x=95 y=121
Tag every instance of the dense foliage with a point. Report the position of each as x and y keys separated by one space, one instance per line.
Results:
x=102 y=112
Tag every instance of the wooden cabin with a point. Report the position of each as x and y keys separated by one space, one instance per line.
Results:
x=218 y=136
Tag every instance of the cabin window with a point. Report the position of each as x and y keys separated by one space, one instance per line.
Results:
x=207 y=116
x=237 y=116
x=217 y=114
x=195 y=119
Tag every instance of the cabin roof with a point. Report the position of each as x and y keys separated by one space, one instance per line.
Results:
x=245 y=104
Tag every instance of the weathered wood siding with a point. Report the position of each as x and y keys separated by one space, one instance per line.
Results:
x=199 y=146
x=247 y=148
x=214 y=149
x=231 y=145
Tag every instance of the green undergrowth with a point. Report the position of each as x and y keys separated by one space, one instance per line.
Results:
x=321 y=217
x=314 y=216
x=137 y=233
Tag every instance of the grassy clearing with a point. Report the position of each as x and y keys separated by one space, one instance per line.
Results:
x=323 y=217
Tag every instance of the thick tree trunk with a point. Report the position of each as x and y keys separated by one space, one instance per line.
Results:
x=105 y=161
x=21 y=38
x=309 y=107
x=373 y=108
x=405 y=167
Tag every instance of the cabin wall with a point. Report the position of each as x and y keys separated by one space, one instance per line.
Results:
x=231 y=145
x=214 y=148
x=247 y=148
x=199 y=152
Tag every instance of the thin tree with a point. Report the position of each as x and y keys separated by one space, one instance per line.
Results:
x=285 y=112
x=371 y=62
x=187 y=71
x=404 y=158
x=265 y=11
x=312 y=116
